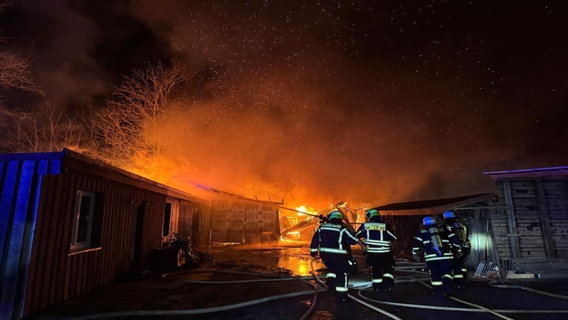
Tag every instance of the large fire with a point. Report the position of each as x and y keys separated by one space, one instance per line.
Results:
x=297 y=222
x=180 y=174
x=303 y=219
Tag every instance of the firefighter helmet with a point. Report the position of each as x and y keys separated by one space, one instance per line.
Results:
x=335 y=215
x=369 y=213
x=449 y=215
x=428 y=221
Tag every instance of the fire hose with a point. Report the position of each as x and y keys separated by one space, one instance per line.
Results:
x=554 y=295
x=361 y=299
x=386 y=313
x=128 y=313
x=478 y=308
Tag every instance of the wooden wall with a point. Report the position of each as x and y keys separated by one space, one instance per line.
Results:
x=535 y=224
x=555 y=194
x=481 y=235
x=243 y=221
x=191 y=219
x=502 y=236
x=55 y=274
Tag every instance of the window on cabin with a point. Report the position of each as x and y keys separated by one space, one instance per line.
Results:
x=167 y=217
x=87 y=221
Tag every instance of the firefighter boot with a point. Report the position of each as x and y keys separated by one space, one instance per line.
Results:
x=447 y=286
x=458 y=284
x=330 y=283
x=388 y=285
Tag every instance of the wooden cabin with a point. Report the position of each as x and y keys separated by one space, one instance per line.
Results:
x=530 y=226
x=69 y=223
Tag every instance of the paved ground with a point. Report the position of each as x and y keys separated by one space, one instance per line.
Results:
x=256 y=283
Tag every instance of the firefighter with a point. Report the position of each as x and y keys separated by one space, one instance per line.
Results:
x=461 y=254
x=377 y=237
x=332 y=241
x=432 y=243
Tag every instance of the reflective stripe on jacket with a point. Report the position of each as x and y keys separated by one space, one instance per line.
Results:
x=377 y=237
x=433 y=241
x=332 y=238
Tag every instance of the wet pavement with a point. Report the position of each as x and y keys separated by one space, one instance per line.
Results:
x=275 y=282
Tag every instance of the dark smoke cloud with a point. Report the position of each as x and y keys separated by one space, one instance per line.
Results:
x=365 y=101
x=80 y=49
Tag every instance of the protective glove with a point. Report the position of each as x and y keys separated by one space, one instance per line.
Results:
x=416 y=257
x=314 y=254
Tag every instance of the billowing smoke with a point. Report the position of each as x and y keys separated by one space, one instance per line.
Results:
x=319 y=102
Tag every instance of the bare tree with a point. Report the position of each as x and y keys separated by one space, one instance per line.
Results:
x=141 y=98
x=12 y=132
x=19 y=130
x=15 y=73
x=47 y=128
x=14 y=69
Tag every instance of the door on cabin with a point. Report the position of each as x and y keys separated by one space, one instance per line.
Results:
x=138 y=225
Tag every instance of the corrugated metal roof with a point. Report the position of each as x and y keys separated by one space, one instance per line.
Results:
x=545 y=171
x=128 y=177
x=432 y=206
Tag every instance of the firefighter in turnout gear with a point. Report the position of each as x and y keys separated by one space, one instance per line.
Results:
x=461 y=253
x=332 y=241
x=432 y=241
x=377 y=237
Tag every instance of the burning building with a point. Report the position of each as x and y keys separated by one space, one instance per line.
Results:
x=241 y=220
x=69 y=224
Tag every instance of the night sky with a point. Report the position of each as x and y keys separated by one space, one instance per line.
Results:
x=321 y=101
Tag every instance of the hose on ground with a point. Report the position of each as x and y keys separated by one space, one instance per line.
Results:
x=457 y=309
x=384 y=312
x=130 y=313
x=554 y=295
x=473 y=304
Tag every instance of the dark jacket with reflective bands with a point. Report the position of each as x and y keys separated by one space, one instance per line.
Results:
x=461 y=232
x=377 y=236
x=332 y=238
x=435 y=243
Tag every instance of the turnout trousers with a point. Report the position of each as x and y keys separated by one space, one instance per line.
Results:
x=337 y=273
x=441 y=275
x=382 y=270
x=460 y=271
